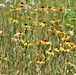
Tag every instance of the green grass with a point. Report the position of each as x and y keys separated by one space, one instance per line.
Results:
x=39 y=48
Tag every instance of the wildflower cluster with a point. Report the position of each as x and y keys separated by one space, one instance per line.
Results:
x=48 y=32
x=39 y=37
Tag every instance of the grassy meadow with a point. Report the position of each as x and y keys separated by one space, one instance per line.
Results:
x=37 y=37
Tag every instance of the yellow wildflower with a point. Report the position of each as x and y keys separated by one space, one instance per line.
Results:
x=46 y=9
x=47 y=42
x=46 y=59
x=61 y=49
x=22 y=41
x=34 y=13
x=40 y=42
x=40 y=62
x=19 y=32
x=58 y=32
x=61 y=9
x=40 y=19
x=43 y=24
x=39 y=54
x=1 y=33
x=23 y=5
x=68 y=63
x=55 y=22
x=27 y=44
x=30 y=18
x=19 y=41
x=50 y=52
x=75 y=54
x=33 y=30
x=66 y=50
x=3 y=58
x=52 y=8
x=63 y=33
x=74 y=19
x=69 y=44
x=56 y=49
x=14 y=9
x=41 y=9
x=26 y=26
x=52 y=31
x=13 y=20
x=65 y=38
x=70 y=26
x=20 y=17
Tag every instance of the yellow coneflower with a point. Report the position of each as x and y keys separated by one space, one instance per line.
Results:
x=56 y=49
x=39 y=54
x=70 y=26
x=26 y=26
x=41 y=9
x=19 y=41
x=27 y=44
x=34 y=13
x=1 y=33
x=47 y=42
x=49 y=52
x=4 y=58
x=40 y=42
x=55 y=22
x=69 y=44
x=23 y=5
x=13 y=20
x=61 y=9
x=19 y=32
x=65 y=38
x=40 y=19
x=66 y=50
x=74 y=19
x=33 y=30
x=46 y=9
x=14 y=9
x=40 y=62
x=20 y=17
x=43 y=24
x=46 y=59
x=49 y=8
x=68 y=63
x=61 y=49
x=52 y=21
x=44 y=42
x=52 y=32
x=57 y=32
x=63 y=33
x=75 y=54
x=52 y=9
x=30 y=18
